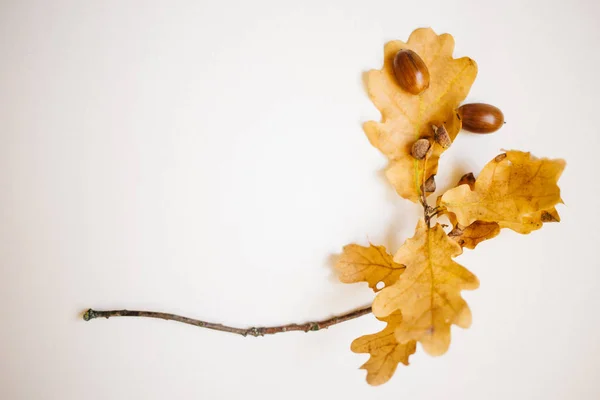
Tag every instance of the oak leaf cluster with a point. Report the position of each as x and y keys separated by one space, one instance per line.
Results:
x=418 y=289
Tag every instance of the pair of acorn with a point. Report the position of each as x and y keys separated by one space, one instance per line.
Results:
x=413 y=76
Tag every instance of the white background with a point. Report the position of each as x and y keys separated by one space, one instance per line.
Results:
x=207 y=158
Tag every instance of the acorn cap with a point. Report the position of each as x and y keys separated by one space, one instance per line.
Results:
x=441 y=136
x=420 y=148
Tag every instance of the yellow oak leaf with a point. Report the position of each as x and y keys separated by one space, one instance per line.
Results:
x=385 y=351
x=479 y=231
x=370 y=264
x=515 y=189
x=533 y=221
x=407 y=117
x=469 y=236
x=428 y=295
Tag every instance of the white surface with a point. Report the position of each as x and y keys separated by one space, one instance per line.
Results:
x=207 y=158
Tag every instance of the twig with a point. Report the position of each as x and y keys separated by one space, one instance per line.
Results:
x=260 y=331
x=435 y=212
x=426 y=207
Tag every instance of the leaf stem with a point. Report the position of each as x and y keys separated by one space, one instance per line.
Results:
x=254 y=331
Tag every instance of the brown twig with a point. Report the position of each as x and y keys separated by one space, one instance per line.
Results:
x=435 y=212
x=426 y=207
x=260 y=331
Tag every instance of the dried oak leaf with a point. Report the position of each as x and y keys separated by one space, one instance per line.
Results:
x=515 y=189
x=407 y=117
x=479 y=231
x=370 y=264
x=474 y=234
x=533 y=221
x=385 y=351
x=428 y=295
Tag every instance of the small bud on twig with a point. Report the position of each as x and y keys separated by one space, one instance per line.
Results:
x=441 y=136
x=420 y=148
x=429 y=186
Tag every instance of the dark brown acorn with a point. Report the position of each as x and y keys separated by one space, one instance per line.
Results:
x=411 y=72
x=480 y=118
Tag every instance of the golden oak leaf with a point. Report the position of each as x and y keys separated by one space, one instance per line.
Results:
x=466 y=179
x=533 y=221
x=428 y=295
x=385 y=351
x=479 y=231
x=515 y=189
x=368 y=264
x=407 y=117
x=469 y=236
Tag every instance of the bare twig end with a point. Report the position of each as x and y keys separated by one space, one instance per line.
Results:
x=89 y=314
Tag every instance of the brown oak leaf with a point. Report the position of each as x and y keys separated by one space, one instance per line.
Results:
x=474 y=234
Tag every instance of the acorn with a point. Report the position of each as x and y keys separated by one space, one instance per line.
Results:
x=420 y=148
x=480 y=117
x=411 y=72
